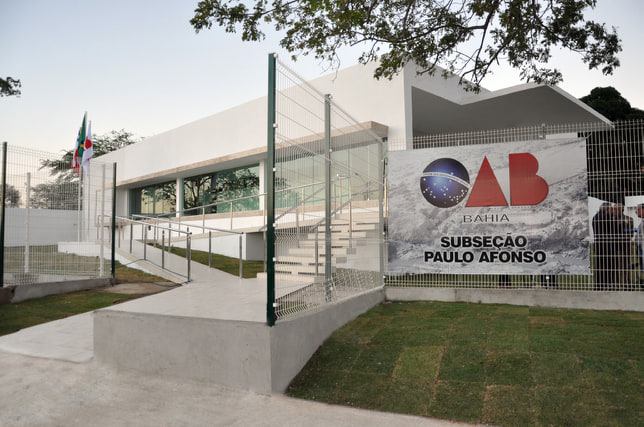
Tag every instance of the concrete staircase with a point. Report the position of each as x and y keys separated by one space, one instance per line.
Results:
x=299 y=263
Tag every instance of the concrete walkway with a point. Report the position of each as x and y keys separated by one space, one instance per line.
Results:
x=45 y=392
x=49 y=376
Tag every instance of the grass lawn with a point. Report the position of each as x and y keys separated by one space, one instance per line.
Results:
x=493 y=364
x=224 y=263
x=14 y=317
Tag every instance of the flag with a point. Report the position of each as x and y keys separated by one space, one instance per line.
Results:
x=80 y=146
x=88 y=149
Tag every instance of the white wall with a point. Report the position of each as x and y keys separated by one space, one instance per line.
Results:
x=46 y=227
x=222 y=134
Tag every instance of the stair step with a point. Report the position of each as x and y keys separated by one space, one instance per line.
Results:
x=289 y=278
x=361 y=217
x=310 y=250
x=306 y=270
x=308 y=259
x=339 y=235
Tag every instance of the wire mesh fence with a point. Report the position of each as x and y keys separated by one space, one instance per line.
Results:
x=57 y=223
x=328 y=200
x=588 y=225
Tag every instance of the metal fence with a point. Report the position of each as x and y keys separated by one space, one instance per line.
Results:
x=56 y=223
x=615 y=188
x=325 y=210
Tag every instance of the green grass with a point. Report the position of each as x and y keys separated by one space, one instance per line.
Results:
x=14 y=317
x=126 y=274
x=224 y=263
x=493 y=364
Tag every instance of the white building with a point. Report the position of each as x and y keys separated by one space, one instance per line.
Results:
x=174 y=171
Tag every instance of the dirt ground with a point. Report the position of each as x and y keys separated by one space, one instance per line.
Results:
x=144 y=288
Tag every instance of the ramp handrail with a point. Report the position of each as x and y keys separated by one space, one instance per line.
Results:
x=144 y=239
x=149 y=220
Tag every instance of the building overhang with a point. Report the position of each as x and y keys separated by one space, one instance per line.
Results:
x=518 y=106
x=359 y=134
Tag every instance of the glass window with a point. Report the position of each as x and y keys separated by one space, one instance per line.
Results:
x=154 y=199
x=216 y=189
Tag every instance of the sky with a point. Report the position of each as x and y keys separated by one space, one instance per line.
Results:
x=138 y=65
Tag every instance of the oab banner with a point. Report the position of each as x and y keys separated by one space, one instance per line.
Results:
x=515 y=208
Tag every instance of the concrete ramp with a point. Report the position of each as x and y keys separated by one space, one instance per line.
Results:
x=214 y=330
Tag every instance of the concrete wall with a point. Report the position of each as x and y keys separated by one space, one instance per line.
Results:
x=248 y=355
x=219 y=135
x=293 y=342
x=38 y=290
x=630 y=301
x=252 y=245
x=230 y=353
x=46 y=227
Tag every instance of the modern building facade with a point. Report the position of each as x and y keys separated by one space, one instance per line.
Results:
x=222 y=157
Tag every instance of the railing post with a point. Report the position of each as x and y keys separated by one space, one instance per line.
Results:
x=209 y=249
x=231 y=215
x=188 y=253
x=145 y=241
x=131 y=235
x=317 y=253
x=240 y=257
x=163 y=249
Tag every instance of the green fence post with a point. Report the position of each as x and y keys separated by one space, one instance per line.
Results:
x=113 y=223
x=2 y=211
x=270 y=193
x=327 y=197
x=381 y=212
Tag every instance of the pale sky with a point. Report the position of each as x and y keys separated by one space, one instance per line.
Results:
x=138 y=65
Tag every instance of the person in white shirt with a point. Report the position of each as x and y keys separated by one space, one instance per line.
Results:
x=639 y=240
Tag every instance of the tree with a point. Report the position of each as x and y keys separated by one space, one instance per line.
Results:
x=466 y=38
x=62 y=193
x=611 y=104
x=11 y=196
x=615 y=156
x=102 y=144
x=9 y=87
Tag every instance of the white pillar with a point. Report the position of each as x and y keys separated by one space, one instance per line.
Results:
x=27 y=222
x=179 y=201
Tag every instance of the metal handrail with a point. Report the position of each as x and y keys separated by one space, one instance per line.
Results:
x=203 y=227
x=289 y=210
x=144 y=228
x=221 y=230
x=339 y=208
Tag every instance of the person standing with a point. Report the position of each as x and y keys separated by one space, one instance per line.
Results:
x=604 y=230
x=639 y=240
x=623 y=256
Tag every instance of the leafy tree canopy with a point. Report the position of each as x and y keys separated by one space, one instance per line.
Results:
x=9 y=87
x=464 y=37
x=102 y=144
x=611 y=104
x=62 y=193
x=11 y=196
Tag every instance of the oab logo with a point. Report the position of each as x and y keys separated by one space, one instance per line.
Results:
x=446 y=183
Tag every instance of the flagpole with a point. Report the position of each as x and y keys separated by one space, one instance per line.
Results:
x=88 y=184
x=80 y=183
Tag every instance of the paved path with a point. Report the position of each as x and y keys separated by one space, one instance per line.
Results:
x=45 y=392
x=49 y=378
